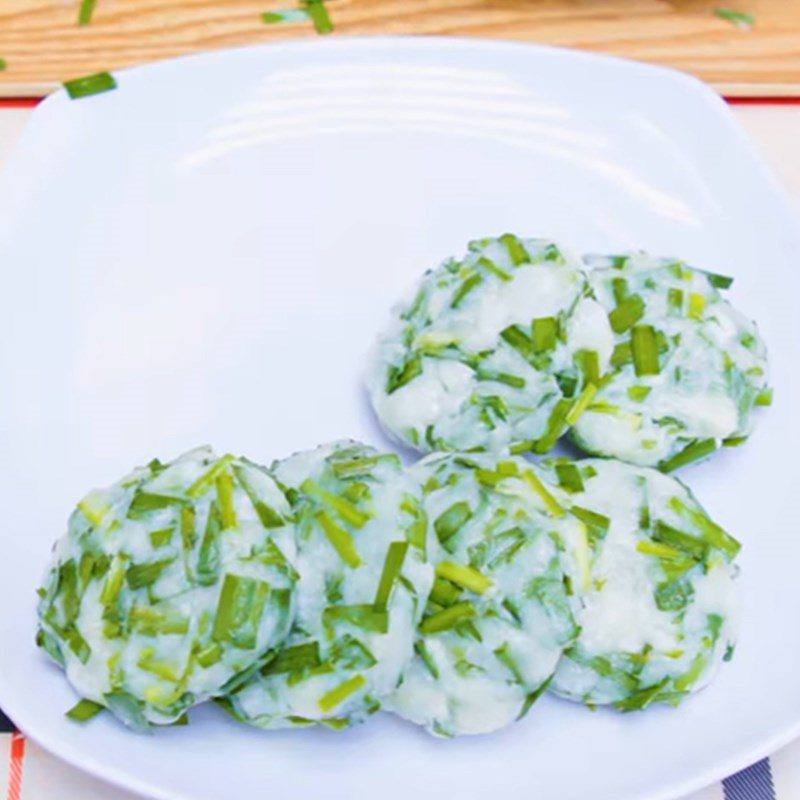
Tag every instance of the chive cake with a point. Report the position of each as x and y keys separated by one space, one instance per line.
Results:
x=364 y=582
x=488 y=352
x=686 y=371
x=659 y=613
x=169 y=585
x=500 y=613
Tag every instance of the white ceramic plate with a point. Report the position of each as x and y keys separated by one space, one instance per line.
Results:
x=206 y=254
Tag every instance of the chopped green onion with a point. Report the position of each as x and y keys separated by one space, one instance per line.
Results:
x=764 y=397
x=227 y=510
x=3 y=64
x=638 y=393
x=340 y=539
x=152 y=622
x=619 y=287
x=85 y=12
x=294 y=659
x=503 y=655
x=209 y=656
x=644 y=347
x=545 y=332
x=346 y=510
x=208 y=558
x=642 y=699
x=556 y=425
x=360 y=467
x=697 y=305
x=520 y=341
x=240 y=611
x=269 y=517
x=335 y=697
x=490 y=266
x=392 y=565
x=551 y=504
x=712 y=532
x=448 y=618
x=140 y=575
x=718 y=281
x=90 y=84
x=467 y=577
x=734 y=441
x=581 y=403
x=675 y=300
x=84 y=710
x=597 y=524
x=627 y=313
x=400 y=376
x=451 y=521
x=127 y=708
x=208 y=478
x=349 y=653
x=697 y=449
x=533 y=697
x=427 y=659
x=516 y=250
x=739 y=18
x=466 y=287
x=673 y=596
x=691 y=676
x=319 y=15
x=680 y=540
x=588 y=362
x=162 y=537
x=365 y=616
x=95 y=506
x=501 y=377
x=569 y=477
x=288 y=15
x=444 y=593
x=144 y=503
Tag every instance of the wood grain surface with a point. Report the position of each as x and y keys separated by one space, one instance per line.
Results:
x=43 y=45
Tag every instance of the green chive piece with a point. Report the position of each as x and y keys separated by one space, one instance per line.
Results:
x=638 y=393
x=519 y=340
x=448 y=618
x=501 y=377
x=503 y=655
x=240 y=610
x=691 y=676
x=451 y=521
x=346 y=510
x=294 y=659
x=516 y=250
x=740 y=18
x=697 y=305
x=144 y=503
x=89 y=85
x=319 y=15
x=490 y=266
x=269 y=517
x=764 y=397
x=392 y=566
x=289 y=15
x=3 y=64
x=208 y=478
x=627 y=313
x=128 y=709
x=160 y=668
x=551 y=504
x=581 y=403
x=140 y=575
x=162 y=537
x=466 y=287
x=335 y=697
x=209 y=655
x=712 y=533
x=467 y=577
x=680 y=540
x=597 y=524
x=644 y=347
x=545 y=333
x=588 y=362
x=718 y=281
x=694 y=451
x=556 y=425
x=427 y=658
x=153 y=622
x=86 y=11
x=340 y=539
x=675 y=301
x=208 y=558
x=349 y=653
x=533 y=697
x=444 y=593
x=95 y=507
x=569 y=477
x=619 y=287
x=642 y=699
x=400 y=376
x=365 y=616
x=734 y=441
x=360 y=467
x=84 y=710
x=227 y=510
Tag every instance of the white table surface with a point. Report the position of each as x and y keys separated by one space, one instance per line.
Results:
x=775 y=131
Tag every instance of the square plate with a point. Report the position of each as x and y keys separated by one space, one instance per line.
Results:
x=205 y=255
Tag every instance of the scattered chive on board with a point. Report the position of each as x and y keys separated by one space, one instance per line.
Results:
x=90 y=84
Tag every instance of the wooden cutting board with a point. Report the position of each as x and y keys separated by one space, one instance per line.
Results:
x=43 y=45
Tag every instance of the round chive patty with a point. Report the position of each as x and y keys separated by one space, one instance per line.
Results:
x=364 y=580
x=499 y=615
x=658 y=615
x=169 y=585
x=486 y=353
x=686 y=370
